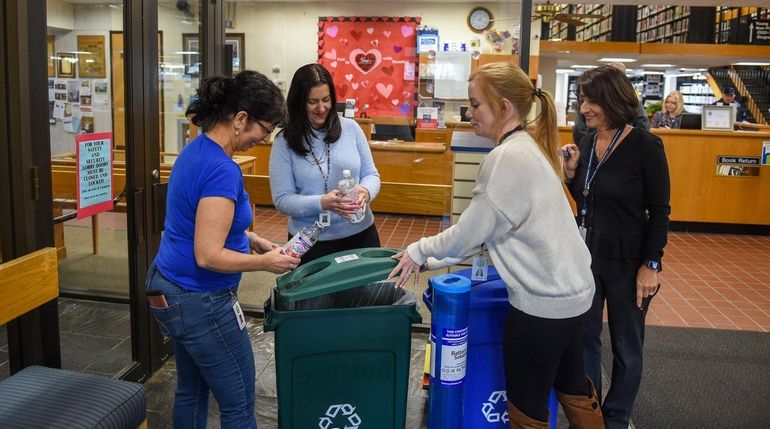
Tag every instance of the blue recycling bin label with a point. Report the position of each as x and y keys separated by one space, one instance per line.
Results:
x=454 y=354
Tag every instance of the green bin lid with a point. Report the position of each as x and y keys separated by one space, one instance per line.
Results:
x=336 y=272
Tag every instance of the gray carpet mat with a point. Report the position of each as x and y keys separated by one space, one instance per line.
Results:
x=702 y=378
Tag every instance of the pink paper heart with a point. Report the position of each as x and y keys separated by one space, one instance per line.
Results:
x=332 y=55
x=354 y=85
x=333 y=64
x=332 y=31
x=387 y=33
x=385 y=90
x=407 y=30
x=375 y=43
x=370 y=30
x=365 y=83
x=344 y=42
x=349 y=77
x=394 y=102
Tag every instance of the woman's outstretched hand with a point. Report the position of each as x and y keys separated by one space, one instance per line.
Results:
x=406 y=267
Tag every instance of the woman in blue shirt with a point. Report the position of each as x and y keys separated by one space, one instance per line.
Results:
x=192 y=285
x=307 y=161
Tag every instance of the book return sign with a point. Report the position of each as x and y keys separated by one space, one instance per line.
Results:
x=93 y=153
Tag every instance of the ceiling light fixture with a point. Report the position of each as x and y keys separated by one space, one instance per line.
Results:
x=617 y=60
x=659 y=65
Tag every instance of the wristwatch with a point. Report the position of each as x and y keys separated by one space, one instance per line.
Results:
x=653 y=265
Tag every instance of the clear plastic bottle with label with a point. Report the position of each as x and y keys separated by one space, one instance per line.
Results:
x=303 y=240
x=347 y=187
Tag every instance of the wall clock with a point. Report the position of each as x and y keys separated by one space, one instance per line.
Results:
x=479 y=19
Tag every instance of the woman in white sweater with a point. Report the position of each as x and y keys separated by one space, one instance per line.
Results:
x=520 y=213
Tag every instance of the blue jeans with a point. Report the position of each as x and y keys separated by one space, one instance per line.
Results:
x=616 y=284
x=212 y=354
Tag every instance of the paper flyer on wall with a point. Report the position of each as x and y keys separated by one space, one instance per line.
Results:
x=427 y=117
x=100 y=91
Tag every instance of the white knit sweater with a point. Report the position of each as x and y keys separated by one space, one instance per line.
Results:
x=520 y=211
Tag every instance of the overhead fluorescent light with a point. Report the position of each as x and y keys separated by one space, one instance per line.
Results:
x=748 y=63
x=659 y=65
x=565 y=71
x=653 y=72
x=580 y=66
x=617 y=60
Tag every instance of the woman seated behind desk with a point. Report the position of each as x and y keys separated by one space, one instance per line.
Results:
x=671 y=115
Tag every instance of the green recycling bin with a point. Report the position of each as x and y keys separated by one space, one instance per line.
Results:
x=342 y=342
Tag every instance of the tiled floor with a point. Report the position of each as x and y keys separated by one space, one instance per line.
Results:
x=709 y=280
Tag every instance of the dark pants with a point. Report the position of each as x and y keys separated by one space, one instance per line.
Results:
x=616 y=284
x=366 y=238
x=540 y=354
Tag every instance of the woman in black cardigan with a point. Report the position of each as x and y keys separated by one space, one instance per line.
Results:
x=619 y=180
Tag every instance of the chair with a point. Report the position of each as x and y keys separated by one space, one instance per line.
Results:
x=40 y=397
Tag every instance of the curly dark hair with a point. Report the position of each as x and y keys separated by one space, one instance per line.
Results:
x=609 y=87
x=299 y=130
x=219 y=98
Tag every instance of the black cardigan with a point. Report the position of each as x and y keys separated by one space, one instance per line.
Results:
x=628 y=204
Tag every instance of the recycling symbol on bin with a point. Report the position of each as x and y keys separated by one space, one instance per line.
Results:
x=490 y=409
x=347 y=414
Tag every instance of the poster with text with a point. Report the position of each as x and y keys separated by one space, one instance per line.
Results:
x=93 y=154
x=372 y=60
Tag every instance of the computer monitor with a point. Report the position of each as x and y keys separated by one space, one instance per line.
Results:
x=463 y=111
x=384 y=132
x=690 y=121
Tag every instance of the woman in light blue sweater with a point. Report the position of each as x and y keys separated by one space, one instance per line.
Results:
x=520 y=213
x=307 y=161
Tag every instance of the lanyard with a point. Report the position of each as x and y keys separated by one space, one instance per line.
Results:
x=506 y=135
x=591 y=176
x=328 y=166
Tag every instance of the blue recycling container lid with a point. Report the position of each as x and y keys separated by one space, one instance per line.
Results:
x=451 y=283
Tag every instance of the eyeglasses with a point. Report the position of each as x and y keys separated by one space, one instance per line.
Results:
x=267 y=131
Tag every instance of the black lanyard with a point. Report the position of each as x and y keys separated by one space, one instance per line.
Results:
x=328 y=165
x=591 y=176
x=508 y=134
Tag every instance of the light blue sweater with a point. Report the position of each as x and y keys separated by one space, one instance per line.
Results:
x=297 y=184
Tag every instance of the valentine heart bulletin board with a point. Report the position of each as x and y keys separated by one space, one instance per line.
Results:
x=372 y=60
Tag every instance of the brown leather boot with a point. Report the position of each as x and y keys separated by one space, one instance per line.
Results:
x=519 y=420
x=583 y=412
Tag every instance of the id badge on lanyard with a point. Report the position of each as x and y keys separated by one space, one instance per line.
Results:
x=480 y=267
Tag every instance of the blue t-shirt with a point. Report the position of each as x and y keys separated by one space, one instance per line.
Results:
x=203 y=169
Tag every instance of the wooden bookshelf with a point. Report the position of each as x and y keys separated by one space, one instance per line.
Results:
x=667 y=24
x=600 y=29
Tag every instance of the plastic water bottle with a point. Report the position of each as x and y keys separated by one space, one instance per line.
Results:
x=449 y=351
x=347 y=187
x=303 y=240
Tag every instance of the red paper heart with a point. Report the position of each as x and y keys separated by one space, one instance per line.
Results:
x=356 y=34
x=320 y=43
x=320 y=34
x=366 y=62
x=387 y=70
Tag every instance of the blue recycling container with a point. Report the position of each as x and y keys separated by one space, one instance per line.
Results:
x=449 y=348
x=486 y=403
